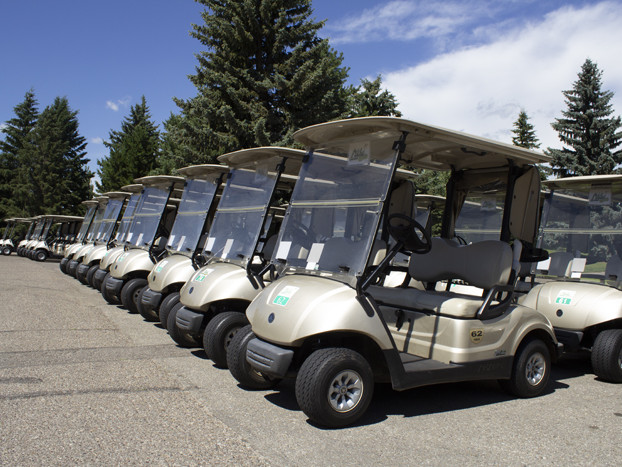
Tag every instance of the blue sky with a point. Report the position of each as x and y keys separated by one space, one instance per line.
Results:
x=469 y=65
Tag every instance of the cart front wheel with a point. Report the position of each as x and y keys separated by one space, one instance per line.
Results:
x=334 y=387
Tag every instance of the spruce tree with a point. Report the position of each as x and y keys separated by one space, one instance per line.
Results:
x=264 y=73
x=368 y=100
x=17 y=132
x=53 y=174
x=524 y=133
x=134 y=150
x=588 y=131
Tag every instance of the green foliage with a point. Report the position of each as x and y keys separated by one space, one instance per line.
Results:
x=367 y=100
x=17 y=132
x=134 y=150
x=52 y=176
x=524 y=133
x=263 y=74
x=587 y=130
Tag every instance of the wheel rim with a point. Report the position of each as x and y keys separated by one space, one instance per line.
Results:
x=535 y=368
x=620 y=359
x=230 y=335
x=345 y=391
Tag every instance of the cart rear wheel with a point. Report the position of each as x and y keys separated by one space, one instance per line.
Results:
x=531 y=370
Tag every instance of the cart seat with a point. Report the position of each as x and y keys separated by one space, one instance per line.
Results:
x=485 y=265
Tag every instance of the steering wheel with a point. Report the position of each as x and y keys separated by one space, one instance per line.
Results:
x=406 y=233
x=302 y=235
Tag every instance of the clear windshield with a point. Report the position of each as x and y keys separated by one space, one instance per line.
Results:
x=191 y=214
x=46 y=229
x=109 y=220
x=30 y=230
x=331 y=222
x=128 y=216
x=94 y=228
x=240 y=214
x=147 y=217
x=481 y=215
x=90 y=212
x=38 y=229
x=585 y=227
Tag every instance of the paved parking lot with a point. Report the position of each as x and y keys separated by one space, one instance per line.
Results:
x=84 y=382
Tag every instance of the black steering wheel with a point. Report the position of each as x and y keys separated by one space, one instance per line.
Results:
x=404 y=229
x=302 y=235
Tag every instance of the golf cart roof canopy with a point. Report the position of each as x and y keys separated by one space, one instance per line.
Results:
x=253 y=157
x=427 y=146
x=117 y=194
x=90 y=202
x=63 y=218
x=584 y=183
x=133 y=188
x=159 y=180
x=202 y=170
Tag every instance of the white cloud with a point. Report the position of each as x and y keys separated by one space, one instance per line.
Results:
x=121 y=103
x=481 y=89
x=96 y=140
x=407 y=20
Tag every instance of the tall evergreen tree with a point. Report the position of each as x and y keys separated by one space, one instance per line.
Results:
x=524 y=133
x=588 y=131
x=134 y=150
x=17 y=133
x=263 y=74
x=368 y=100
x=53 y=174
x=174 y=154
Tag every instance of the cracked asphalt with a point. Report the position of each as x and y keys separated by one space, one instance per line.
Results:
x=83 y=382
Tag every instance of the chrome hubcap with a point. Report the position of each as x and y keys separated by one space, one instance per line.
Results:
x=345 y=391
x=535 y=369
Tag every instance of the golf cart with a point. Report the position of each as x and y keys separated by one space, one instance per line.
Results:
x=193 y=216
x=329 y=321
x=43 y=248
x=91 y=234
x=70 y=249
x=65 y=234
x=90 y=257
x=37 y=248
x=32 y=236
x=116 y=246
x=579 y=287
x=32 y=222
x=7 y=237
x=146 y=240
x=237 y=249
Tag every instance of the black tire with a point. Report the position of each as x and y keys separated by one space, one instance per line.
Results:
x=6 y=251
x=219 y=333
x=130 y=291
x=531 y=370
x=183 y=339
x=40 y=255
x=90 y=273
x=108 y=297
x=147 y=313
x=607 y=355
x=166 y=306
x=240 y=368
x=334 y=387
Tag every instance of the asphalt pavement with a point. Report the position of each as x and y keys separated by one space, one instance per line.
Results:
x=83 y=383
